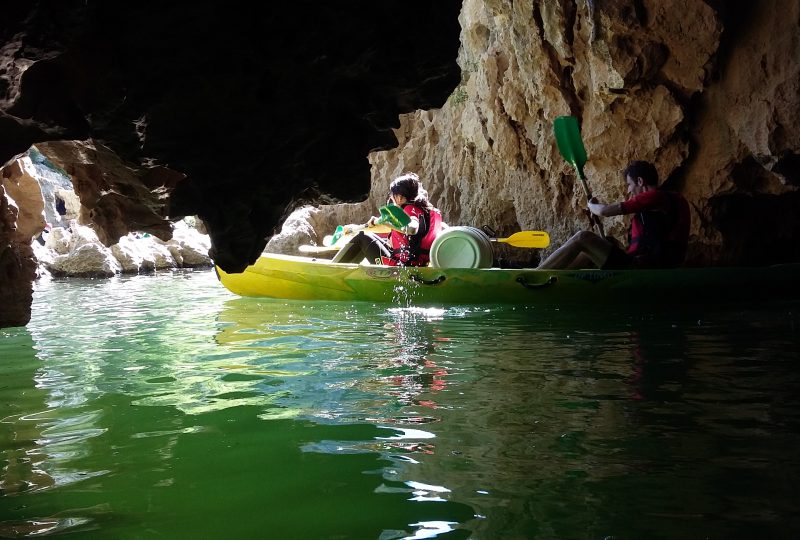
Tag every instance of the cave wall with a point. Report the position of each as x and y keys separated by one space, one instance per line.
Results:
x=707 y=91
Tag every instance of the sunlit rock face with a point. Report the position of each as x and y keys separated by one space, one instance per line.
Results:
x=708 y=91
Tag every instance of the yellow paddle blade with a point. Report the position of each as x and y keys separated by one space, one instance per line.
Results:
x=527 y=239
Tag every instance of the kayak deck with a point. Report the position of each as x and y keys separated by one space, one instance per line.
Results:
x=305 y=278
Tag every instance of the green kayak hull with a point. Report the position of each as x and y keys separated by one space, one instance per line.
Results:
x=304 y=278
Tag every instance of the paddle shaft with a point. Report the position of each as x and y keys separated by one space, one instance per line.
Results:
x=308 y=248
x=343 y=239
x=522 y=239
x=593 y=219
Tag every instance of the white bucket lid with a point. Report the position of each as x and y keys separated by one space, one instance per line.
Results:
x=461 y=247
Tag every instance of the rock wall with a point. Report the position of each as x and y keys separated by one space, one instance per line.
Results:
x=708 y=91
x=17 y=263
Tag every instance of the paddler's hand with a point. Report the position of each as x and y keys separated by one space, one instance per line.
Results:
x=371 y=222
x=595 y=207
x=604 y=210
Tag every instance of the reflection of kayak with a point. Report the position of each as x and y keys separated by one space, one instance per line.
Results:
x=304 y=278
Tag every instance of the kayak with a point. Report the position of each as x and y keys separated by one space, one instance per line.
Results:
x=292 y=277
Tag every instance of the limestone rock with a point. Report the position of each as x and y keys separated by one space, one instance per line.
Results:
x=17 y=267
x=158 y=256
x=115 y=197
x=65 y=252
x=59 y=240
x=56 y=187
x=72 y=203
x=128 y=252
x=80 y=235
x=20 y=185
x=77 y=252
x=299 y=228
x=192 y=254
x=189 y=247
x=308 y=225
x=86 y=260
x=45 y=258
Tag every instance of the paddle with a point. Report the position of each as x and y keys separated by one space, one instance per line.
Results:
x=526 y=239
x=348 y=230
x=329 y=244
x=308 y=248
x=568 y=140
x=522 y=239
x=391 y=216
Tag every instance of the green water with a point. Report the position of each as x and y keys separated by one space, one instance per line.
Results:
x=164 y=407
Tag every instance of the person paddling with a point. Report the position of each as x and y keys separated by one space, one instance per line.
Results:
x=405 y=246
x=658 y=235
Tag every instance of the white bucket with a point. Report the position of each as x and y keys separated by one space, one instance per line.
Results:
x=461 y=247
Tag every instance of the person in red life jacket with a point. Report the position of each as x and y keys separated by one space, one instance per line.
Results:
x=658 y=236
x=407 y=246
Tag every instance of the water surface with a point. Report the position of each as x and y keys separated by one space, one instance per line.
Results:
x=164 y=407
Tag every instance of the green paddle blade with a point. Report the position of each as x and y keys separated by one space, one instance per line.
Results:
x=394 y=216
x=568 y=139
x=335 y=236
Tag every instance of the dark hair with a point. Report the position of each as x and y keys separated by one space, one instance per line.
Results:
x=408 y=186
x=642 y=169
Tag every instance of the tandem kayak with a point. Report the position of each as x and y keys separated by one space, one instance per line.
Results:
x=304 y=278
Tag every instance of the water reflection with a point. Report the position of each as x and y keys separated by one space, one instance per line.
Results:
x=140 y=398
x=22 y=425
x=363 y=362
x=38 y=447
x=136 y=378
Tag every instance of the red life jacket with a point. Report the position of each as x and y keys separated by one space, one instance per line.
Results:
x=414 y=250
x=659 y=231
